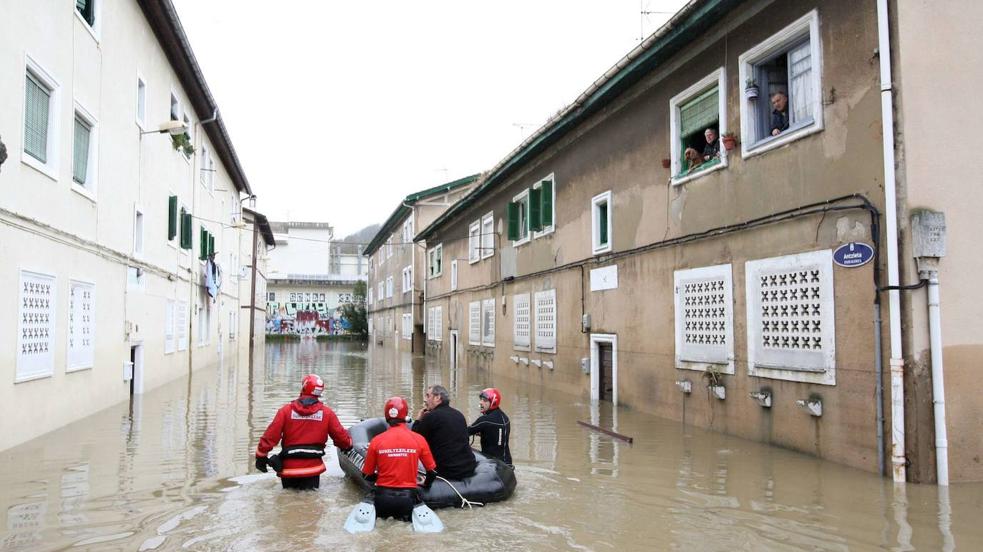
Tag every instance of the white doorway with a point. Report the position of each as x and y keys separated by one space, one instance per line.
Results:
x=453 y=351
x=136 y=378
x=604 y=368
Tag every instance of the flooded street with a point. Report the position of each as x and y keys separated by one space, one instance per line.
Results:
x=174 y=470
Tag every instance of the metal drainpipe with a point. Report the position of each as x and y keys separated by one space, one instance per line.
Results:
x=938 y=388
x=898 y=458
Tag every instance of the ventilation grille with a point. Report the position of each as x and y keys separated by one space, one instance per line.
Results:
x=81 y=325
x=546 y=320
x=521 y=312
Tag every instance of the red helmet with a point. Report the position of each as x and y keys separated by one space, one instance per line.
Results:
x=396 y=409
x=312 y=385
x=492 y=396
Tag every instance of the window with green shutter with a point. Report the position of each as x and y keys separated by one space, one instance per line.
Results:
x=535 y=210
x=171 y=217
x=186 y=225
x=546 y=212
x=202 y=243
x=513 y=221
x=80 y=160
x=211 y=244
x=37 y=100
x=698 y=114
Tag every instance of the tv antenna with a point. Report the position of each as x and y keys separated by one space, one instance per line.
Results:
x=642 y=14
x=522 y=128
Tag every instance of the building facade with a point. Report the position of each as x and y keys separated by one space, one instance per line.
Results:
x=692 y=237
x=400 y=270
x=311 y=276
x=120 y=224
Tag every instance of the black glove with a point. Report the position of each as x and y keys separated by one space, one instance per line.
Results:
x=428 y=480
x=274 y=462
x=344 y=450
x=371 y=478
x=261 y=463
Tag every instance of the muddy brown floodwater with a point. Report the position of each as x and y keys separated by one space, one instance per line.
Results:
x=172 y=470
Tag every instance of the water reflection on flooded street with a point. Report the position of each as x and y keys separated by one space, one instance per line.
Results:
x=173 y=470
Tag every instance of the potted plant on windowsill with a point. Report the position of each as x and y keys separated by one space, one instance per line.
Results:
x=751 y=88
x=729 y=139
x=182 y=142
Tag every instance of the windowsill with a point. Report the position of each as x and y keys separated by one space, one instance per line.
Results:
x=724 y=367
x=473 y=261
x=551 y=351
x=544 y=232
x=525 y=348
x=83 y=191
x=87 y=27
x=77 y=369
x=601 y=250
x=32 y=378
x=44 y=168
x=711 y=166
x=790 y=135
x=523 y=241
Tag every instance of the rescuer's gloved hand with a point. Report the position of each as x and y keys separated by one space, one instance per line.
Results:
x=428 y=480
x=372 y=478
x=274 y=462
x=261 y=463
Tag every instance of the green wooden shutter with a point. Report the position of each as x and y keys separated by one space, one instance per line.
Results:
x=211 y=244
x=546 y=214
x=700 y=113
x=535 y=209
x=602 y=223
x=171 y=217
x=513 y=218
x=188 y=226
x=202 y=243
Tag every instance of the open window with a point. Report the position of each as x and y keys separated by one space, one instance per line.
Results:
x=435 y=261
x=518 y=219
x=698 y=118
x=783 y=90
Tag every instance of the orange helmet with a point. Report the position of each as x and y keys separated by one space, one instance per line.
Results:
x=493 y=397
x=312 y=385
x=396 y=409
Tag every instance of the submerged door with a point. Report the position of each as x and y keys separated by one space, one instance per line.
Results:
x=605 y=384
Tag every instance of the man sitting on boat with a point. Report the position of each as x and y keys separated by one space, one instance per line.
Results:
x=391 y=460
x=446 y=431
x=492 y=426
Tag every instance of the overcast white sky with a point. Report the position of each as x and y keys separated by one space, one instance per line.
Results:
x=340 y=109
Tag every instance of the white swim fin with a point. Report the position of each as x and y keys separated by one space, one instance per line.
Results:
x=425 y=520
x=362 y=518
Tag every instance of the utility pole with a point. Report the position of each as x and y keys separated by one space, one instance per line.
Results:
x=252 y=294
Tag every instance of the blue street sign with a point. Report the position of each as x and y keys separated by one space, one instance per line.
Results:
x=853 y=254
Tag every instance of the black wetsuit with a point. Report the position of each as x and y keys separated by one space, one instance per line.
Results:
x=446 y=431
x=493 y=427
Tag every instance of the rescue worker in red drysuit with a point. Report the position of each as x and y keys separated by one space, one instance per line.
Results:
x=303 y=426
x=391 y=461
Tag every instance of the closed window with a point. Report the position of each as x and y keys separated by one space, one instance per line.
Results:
x=141 y=103
x=488 y=322
x=138 y=231
x=704 y=318
x=389 y=287
x=487 y=235
x=474 y=323
x=41 y=96
x=407 y=279
x=454 y=275
x=435 y=260
x=474 y=242
x=80 y=157
x=601 y=223
x=407 y=326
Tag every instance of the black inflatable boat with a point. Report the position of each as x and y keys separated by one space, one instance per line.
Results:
x=493 y=480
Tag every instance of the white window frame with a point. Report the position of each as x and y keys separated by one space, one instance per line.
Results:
x=487 y=234
x=38 y=367
x=407 y=326
x=382 y=290
x=207 y=169
x=143 y=96
x=803 y=366
x=437 y=330
x=595 y=230
x=778 y=42
x=703 y=357
x=521 y=342
x=95 y=30
x=547 y=347
x=141 y=279
x=474 y=242
x=433 y=254
x=552 y=227
x=595 y=368
x=49 y=167
x=368 y=297
x=718 y=77
x=474 y=323
x=408 y=279
x=523 y=196
x=488 y=331
x=92 y=162
x=174 y=101
x=454 y=275
x=389 y=287
x=139 y=231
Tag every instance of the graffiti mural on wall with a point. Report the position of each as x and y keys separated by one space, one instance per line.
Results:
x=295 y=318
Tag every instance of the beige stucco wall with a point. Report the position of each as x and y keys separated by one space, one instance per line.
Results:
x=938 y=80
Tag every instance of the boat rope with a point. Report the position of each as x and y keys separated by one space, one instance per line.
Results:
x=464 y=501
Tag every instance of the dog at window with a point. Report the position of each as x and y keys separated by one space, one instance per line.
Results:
x=693 y=159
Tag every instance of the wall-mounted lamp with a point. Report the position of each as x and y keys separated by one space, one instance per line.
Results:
x=174 y=128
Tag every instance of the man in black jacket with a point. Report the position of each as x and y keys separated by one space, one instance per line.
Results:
x=446 y=431
x=493 y=426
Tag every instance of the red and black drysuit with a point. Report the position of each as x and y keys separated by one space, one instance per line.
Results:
x=395 y=454
x=303 y=426
x=494 y=428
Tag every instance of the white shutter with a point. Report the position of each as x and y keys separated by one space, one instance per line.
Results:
x=169 y=343
x=438 y=323
x=182 y=325
x=81 y=325
x=488 y=322
x=36 y=334
x=474 y=328
x=546 y=321
x=704 y=318
x=520 y=310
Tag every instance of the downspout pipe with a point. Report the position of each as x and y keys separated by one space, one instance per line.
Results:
x=898 y=458
x=938 y=386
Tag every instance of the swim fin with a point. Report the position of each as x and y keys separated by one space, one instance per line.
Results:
x=362 y=518
x=425 y=520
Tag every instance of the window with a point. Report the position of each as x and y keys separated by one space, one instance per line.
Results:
x=182 y=325
x=704 y=318
x=520 y=323
x=88 y=11
x=546 y=321
x=601 y=223
x=435 y=323
x=368 y=298
x=474 y=242
x=189 y=150
x=175 y=108
x=488 y=322
x=271 y=296
x=454 y=275
x=293 y=297
x=435 y=259
x=474 y=323
x=790 y=323
x=141 y=103
x=518 y=219
x=487 y=235
x=408 y=231
x=697 y=119
x=389 y=287
x=408 y=279
x=786 y=71
x=134 y=278
x=382 y=290
x=407 y=326
x=172 y=218
x=169 y=327
x=207 y=170
x=204 y=321
x=41 y=94
x=83 y=151
x=186 y=230
x=36 y=334
x=137 y=231
x=546 y=193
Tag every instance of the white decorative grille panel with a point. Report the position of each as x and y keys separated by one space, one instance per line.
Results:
x=704 y=317
x=169 y=323
x=81 y=325
x=488 y=322
x=546 y=320
x=791 y=325
x=520 y=310
x=182 y=325
x=407 y=326
x=36 y=331
x=474 y=323
x=438 y=323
